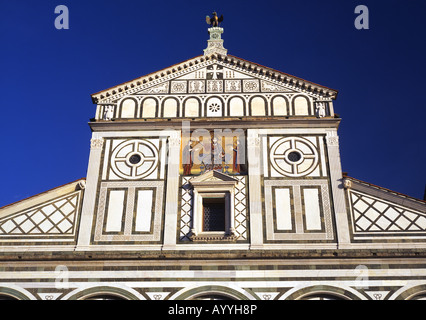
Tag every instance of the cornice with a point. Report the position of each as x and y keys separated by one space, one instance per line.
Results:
x=239 y=64
x=218 y=123
x=395 y=255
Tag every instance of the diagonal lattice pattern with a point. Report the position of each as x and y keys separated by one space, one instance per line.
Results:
x=374 y=215
x=54 y=218
x=240 y=207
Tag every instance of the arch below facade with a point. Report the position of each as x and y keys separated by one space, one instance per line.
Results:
x=212 y=292
x=417 y=292
x=10 y=293
x=321 y=292
x=104 y=292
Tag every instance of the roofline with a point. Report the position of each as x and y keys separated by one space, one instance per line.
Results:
x=384 y=189
x=146 y=75
x=266 y=71
x=38 y=194
x=286 y=74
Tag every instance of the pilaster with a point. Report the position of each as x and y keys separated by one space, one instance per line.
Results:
x=89 y=201
x=172 y=192
x=336 y=178
x=255 y=199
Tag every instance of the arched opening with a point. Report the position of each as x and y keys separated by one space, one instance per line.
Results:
x=104 y=293
x=323 y=292
x=8 y=293
x=213 y=292
x=149 y=108
x=104 y=297
x=280 y=106
x=301 y=106
x=413 y=293
x=324 y=296
x=7 y=297
x=191 y=108
x=258 y=106
x=128 y=108
x=170 y=108
x=236 y=107
x=209 y=296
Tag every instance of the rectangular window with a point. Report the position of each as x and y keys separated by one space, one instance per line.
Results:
x=213 y=214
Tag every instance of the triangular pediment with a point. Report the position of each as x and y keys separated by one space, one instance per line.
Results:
x=213 y=177
x=214 y=74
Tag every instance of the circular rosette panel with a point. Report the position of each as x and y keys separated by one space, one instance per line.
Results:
x=134 y=159
x=294 y=156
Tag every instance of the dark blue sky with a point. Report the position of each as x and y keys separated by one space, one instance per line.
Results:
x=47 y=75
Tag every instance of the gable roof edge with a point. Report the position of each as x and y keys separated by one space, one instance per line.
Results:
x=153 y=78
x=387 y=194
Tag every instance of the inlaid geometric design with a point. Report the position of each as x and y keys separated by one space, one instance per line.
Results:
x=178 y=87
x=232 y=86
x=214 y=86
x=196 y=86
x=214 y=107
x=251 y=85
x=186 y=210
x=294 y=156
x=240 y=209
x=157 y=295
x=134 y=159
x=54 y=218
x=375 y=215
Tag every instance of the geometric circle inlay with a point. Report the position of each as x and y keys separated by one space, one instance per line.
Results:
x=294 y=156
x=134 y=159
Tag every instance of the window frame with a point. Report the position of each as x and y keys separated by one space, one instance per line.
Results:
x=213 y=188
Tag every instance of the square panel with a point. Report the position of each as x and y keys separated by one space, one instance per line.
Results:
x=319 y=226
x=134 y=227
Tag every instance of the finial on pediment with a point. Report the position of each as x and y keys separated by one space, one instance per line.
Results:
x=215 y=43
x=214 y=21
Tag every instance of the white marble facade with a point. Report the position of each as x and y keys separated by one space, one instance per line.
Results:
x=140 y=210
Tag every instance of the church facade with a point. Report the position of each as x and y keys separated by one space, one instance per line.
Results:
x=215 y=178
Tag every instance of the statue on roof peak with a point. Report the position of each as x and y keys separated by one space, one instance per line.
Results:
x=214 y=20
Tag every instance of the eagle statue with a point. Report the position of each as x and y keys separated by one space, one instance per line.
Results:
x=215 y=20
